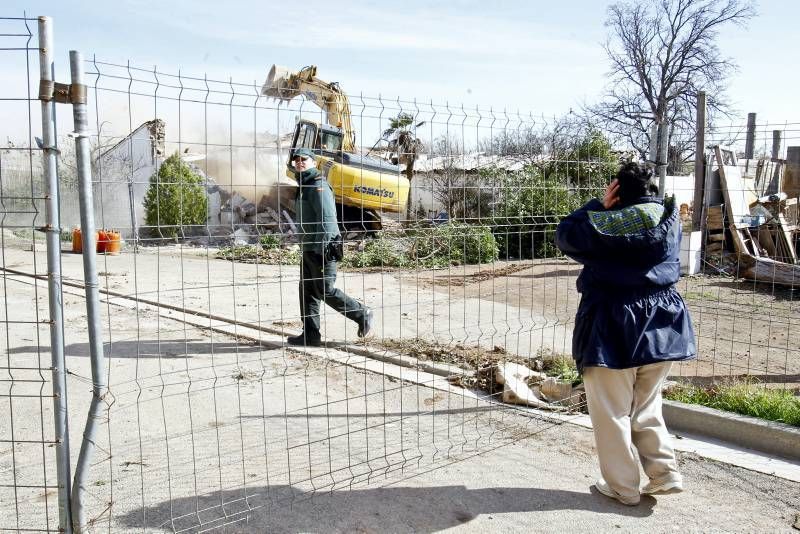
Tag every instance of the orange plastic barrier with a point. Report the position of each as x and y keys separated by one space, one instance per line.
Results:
x=77 y=241
x=108 y=242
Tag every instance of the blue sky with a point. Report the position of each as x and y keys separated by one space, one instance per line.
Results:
x=535 y=56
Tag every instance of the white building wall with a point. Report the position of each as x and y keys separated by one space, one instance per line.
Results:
x=122 y=178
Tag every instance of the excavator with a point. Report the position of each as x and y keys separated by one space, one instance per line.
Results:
x=364 y=186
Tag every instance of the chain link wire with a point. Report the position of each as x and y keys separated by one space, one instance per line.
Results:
x=211 y=418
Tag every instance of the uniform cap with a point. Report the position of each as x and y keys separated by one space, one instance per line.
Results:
x=302 y=153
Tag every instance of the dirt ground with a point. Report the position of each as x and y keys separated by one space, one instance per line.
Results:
x=743 y=329
x=213 y=423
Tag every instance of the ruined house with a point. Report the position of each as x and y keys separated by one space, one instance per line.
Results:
x=122 y=175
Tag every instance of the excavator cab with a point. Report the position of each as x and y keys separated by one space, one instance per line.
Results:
x=330 y=140
x=322 y=139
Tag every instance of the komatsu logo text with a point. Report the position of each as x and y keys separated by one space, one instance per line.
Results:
x=383 y=193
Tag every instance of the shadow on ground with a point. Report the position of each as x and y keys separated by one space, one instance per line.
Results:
x=778 y=292
x=151 y=348
x=385 y=509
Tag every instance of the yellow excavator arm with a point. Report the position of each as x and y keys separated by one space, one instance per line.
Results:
x=362 y=185
x=285 y=85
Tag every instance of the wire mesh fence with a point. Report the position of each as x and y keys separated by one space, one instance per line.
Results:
x=448 y=216
x=209 y=415
x=32 y=434
x=744 y=312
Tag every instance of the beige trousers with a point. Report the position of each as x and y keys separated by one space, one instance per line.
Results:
x=625 y=408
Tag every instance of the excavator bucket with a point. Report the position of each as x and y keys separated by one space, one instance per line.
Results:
x=277 y=84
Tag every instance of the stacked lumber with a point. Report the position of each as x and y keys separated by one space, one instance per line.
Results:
x=767 y=250
x=715 y=230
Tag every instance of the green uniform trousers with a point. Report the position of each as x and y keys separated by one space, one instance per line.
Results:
x=317 y=285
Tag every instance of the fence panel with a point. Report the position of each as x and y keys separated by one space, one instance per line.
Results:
x=745 y=324
x=211 y=419
x=34 y=462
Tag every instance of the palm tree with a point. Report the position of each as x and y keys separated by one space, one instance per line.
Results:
x=403 y=142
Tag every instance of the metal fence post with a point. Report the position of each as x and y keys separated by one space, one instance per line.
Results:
x=89 y=240
x=699 y=161
x=52 y=231
x=774 y=185
x=662 y=152
x=750 y=140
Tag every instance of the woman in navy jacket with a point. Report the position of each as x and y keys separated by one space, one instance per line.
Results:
x=630 y=326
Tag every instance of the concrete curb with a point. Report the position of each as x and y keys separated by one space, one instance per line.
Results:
x=749 y=432
x=435 y=368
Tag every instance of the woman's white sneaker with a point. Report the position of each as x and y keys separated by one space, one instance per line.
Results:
x=664 y=486
x=628 y=500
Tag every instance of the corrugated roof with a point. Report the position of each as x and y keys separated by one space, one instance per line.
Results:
x=474 y=162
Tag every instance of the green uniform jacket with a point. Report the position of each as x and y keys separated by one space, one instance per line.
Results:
x=315 y=208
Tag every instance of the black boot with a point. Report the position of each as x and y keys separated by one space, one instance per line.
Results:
x=366 y=324
x=303 y=341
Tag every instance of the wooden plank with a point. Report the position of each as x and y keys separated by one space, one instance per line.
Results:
x=734 y=191
x=786 y=235
x=715 y=219
x=737 y=204
x=790 y=210
x=767 y=241
x=763 y=174
x=739 y=241
x=769 y=271
x=742 y=242
x=784 y=253
x=715 y=237
x=755 y=248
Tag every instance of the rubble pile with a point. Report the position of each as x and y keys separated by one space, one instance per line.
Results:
x=763 y=231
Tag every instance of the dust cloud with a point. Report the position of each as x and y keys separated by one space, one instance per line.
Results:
x=251 y=171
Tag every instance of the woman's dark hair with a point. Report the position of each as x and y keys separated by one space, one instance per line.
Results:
x=635 y=181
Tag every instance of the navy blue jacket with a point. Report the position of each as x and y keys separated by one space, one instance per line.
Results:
x=630 y=313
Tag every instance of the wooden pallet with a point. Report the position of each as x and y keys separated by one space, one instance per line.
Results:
x=715 y=231
x=737 y=208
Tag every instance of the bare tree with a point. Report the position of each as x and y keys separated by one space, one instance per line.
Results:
x=526 y=143
x=537 y=143
x=662 y=53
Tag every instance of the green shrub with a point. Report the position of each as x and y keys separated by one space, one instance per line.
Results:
x=256 y=254
x=587 y=165
x=454 y=243
x=531 y=205
x=270 y=241
x=744 y=398
x=430 y=246
x=534 y=200
x=561 y=366
x=380 y=252
x=176 y=198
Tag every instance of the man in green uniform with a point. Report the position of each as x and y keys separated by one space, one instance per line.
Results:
x=315 y=209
